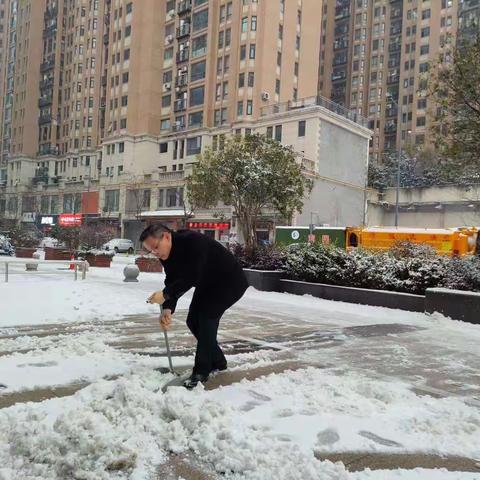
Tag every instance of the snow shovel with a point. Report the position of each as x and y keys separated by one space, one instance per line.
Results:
x=169 y=354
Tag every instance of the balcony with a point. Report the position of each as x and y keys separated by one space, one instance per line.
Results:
x=47 y=83
x=180 y=105
x=50 y=31
x=183 y=31
x=181 y=80
x=47 y=149
x=318 y=101
x=43 y=119
x=184 y=6
x=391 y=112
x=390 y=126
x=45 y=101
x=393 y=79
x=183 y=55
x=47 y=65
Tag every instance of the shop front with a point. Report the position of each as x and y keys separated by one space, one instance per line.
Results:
x=217 y=230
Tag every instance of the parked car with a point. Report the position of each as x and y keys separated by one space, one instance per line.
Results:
x=120 y=245
x=6 y=247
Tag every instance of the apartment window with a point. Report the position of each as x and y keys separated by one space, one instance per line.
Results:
x=278 y=133
x=129 y=7
x=168 y=76
x=425 y=32
x=168 y=53
x=301 y=128
x=421 y=121
x=197 y=71
x=199 y=46
x=225 y=90
x=166 y=101
x=422 y=104
x=125 y=77
x=197 y=96
x=241 y=80
x=200 y=20
x=297 y=43
x=243 y=52
x=126 y=54
x=249 y=107
x=218 y=92
x=222 y=13
x=253 y=24
x=194 y=145
x=128 y=30
x=228 y=37
x=124 y=100
x=165 y=124
x=195 y=119
x=240 y=109
x=90 y=122
x=426 y=14
x=226 y=64
x=252 y=51
x=121 y=147
x=251 y=79
x=123 y=123
x=296 y=68
x=277 y=86
x=229 y=10
x=111 y=200
x=219 y=65
x=424 y=67
x=280 y=32
x=244 y=24
x=221 y=39
x=269 y=133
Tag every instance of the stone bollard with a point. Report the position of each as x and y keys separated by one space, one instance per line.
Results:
x=33 y=267
x=131 y=273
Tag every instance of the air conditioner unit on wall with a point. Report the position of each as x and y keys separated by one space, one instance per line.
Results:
x=169 y=39
x=265 y=96
x=167 y=86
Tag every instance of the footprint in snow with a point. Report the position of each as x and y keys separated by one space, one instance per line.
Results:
x=381 y=441
x=259 y=396
x=327 y=437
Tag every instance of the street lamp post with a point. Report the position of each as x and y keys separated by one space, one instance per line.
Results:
x=399 y=159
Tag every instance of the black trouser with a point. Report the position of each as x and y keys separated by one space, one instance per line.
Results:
x=209 y=355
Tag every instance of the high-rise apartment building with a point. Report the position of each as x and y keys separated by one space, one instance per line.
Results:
x=375 y=60
x=108 y=102
x=469 y=19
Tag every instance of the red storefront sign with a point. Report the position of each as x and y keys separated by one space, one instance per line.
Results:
x=70 y=219
x=209 y=225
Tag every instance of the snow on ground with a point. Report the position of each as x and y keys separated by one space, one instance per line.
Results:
x=268 y=428
x=52 y=296
x=265 y=429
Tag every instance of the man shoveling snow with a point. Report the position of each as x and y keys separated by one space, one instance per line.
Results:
x=191 y=259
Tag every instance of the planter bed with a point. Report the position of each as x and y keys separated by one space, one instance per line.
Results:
x=102 y=261
x=24 y=252
x=265 y=280
x=55 y=253
x=150 y=265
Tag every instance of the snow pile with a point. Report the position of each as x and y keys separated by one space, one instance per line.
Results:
x=323 y=411
x=121 y=429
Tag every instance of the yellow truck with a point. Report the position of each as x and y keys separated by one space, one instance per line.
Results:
x=455 y=241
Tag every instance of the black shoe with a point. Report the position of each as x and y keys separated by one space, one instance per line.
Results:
x=194 y=380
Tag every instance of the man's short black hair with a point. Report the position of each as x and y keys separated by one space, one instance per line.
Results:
x=154 y=231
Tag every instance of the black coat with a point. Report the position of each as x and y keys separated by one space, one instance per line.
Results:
x=196 y=260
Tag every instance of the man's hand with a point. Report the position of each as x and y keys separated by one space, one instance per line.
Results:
x=156 y=297
x=166 y=319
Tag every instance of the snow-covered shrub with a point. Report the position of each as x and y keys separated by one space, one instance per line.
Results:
x=261 y=258
x=463 y=274
x=409 y=269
